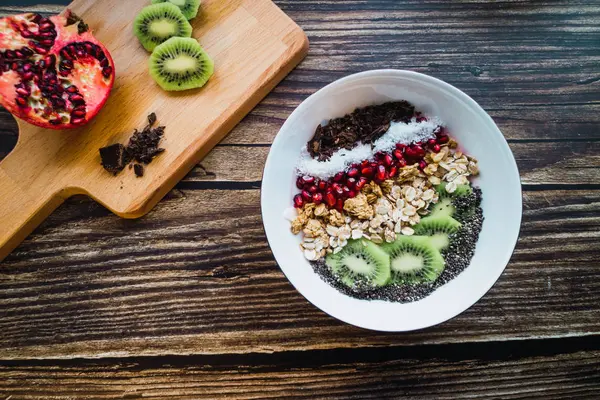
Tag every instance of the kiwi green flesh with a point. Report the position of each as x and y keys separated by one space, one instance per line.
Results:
x=438 y=228
x=461 y=190
x=189 y=8
x=414 y=260
x=180 y=64
x=360 y=262
x=158 y=22
x=443 y=208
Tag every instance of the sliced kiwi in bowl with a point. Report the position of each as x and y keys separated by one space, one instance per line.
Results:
x=180 y=64
x=189 y=8
x=360 y=263
x=438 y=228
x=444 y=207
x=157 y=23
x=414 y=260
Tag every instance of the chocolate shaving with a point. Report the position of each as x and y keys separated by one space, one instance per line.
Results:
x=141 y=149
x=363 y=125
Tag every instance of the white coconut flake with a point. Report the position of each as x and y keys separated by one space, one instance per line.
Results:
x=398 y=132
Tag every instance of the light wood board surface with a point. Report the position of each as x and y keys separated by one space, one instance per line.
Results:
x=253 y=44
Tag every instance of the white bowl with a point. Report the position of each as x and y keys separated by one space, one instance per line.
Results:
x=475 y=131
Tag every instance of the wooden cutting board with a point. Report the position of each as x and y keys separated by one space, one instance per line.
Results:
x=254 y=45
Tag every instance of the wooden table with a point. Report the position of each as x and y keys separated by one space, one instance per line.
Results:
x=189 y=303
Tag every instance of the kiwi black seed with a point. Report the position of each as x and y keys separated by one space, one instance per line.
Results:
x=414 y=260
x=438 y=229
x=180 y=64
x=189 y=8
x=360 y=263
x=157 y=23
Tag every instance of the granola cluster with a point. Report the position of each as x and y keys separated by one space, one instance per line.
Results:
x=380 y=212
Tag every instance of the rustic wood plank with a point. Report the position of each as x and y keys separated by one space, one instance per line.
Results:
x=196 y=276
x=524 y=370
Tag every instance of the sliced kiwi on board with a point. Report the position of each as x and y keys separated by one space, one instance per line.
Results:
x=414 y=260
x=438 y=229
x=360 y=262
x=189 y=8
x=157 y=23
x=180 y=64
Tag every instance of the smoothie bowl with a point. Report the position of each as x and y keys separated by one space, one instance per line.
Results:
x=391 y=200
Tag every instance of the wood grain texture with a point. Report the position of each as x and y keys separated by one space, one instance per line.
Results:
x=253 y=44
x=507 y=371
x=201 y=280
x=188 y=301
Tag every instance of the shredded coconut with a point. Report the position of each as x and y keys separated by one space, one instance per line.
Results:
x=341 y=160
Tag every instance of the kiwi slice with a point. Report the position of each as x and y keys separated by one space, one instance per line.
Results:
x=180 y=64
x=157 y=23
x=438 y=229
x=414 y=260
x=361 y=262
x=444 y=207
x=189 y=8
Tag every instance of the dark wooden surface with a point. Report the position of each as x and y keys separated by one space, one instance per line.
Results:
x=189 y=303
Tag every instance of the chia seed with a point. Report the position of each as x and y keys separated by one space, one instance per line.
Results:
x=458 y=256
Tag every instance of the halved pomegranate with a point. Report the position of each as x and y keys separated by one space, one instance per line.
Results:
x=53 y=72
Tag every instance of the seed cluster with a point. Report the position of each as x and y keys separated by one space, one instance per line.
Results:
x=457 y=257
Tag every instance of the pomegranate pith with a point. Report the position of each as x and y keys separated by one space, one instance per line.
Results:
x=53 y=72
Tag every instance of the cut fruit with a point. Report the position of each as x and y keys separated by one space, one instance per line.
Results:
x=180 y=64
x=157 y=23
x=189 y=8
x=443 y=208
x=414 y=260
x=360 y=262
x=438 y=229
x=53 y=72
x=461 y=190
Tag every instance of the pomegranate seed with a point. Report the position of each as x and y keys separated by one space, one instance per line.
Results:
x=66 y=64
x=78 y=113
x=362 y=181
x=312 y=189
x=351 y=183
x=322 y=185
x=36 y=18
x=339 y=191
x=317 y=198
x=47 y=35
x=46 y=26
x=298 y=201
x=47 y=42
x=367 y=171
x=381 y=173
x=308 y=180
x=21 y=101
x=22 y=92
x=353 y=172
x=402 y=163
x=398 y=154
x=330 y=199
x=76 y=98
x=422 y=164
x=104 y=63
x=64 y=73
x=409 y=152
x=339 y=177
x=400 y=146
x=64 y=53
x=26 y=34
x=18 y=54
x=339 y=205
x=107 y=72
x=346 y=189
x=437 y=148
x=306 y=196
x=26 y=51
x=77 y=121
x=374 y=164
x=431 y=142
x=73 y=89
x=9 y=54
x=393 y=172
x=379 y=156
x=365 y=164
x=89 y=48
x=419 y=151
x=27 y=76
x=352 y=194
x=443 y=139
x=387 y=159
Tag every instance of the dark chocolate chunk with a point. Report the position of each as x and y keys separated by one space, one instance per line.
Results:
x=113 y=158
x=139 y=170
x=364 y=125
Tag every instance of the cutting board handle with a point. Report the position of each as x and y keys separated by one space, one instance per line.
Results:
x=23 y=203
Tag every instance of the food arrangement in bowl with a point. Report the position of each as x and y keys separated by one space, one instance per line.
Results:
x=386 y=209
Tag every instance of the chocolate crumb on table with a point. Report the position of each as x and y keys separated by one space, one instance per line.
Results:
x=141 y=149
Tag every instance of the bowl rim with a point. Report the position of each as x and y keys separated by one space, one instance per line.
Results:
x=487 y=285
